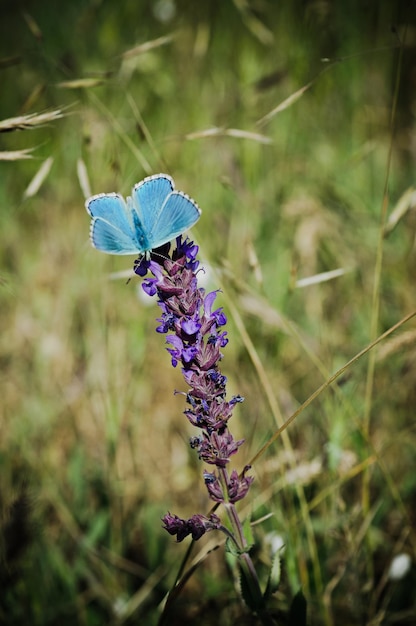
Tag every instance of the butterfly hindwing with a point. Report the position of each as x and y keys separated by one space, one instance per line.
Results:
x=108 y=238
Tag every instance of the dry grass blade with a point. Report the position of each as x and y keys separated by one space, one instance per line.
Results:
x=294 y=97
x=25 y=122
x=215 y=131
x=81 y=83
x=148 y=45
x=262 y=309
x=322 y=277
x=30 y=102
x=83 y=179
x=38 y=179
x=32 y=25
x=228 y=132
x=16 y=155
x=398 y=344
x=245 y=134
x=254 y=263
x=406 y=203
x=255 y=26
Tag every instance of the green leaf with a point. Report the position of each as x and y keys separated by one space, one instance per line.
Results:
x=274 y=576
x=248 y=534
x=254 y=601
x=97 y=529
x=231 y=548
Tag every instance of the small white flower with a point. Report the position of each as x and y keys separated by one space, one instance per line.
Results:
x=399 y=566
x=119 y=606
x=275 y=542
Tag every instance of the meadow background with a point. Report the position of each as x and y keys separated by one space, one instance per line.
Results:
x=292 y=124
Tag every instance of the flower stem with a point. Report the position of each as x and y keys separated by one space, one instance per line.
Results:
x=248 y=570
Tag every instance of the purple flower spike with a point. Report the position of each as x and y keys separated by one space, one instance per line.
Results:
x=195 y=341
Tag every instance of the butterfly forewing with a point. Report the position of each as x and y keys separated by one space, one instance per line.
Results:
x=148 y=198
x=112 y=208
x=112 y=227
x=178 y=214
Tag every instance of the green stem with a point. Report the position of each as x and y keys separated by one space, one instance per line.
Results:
x=244 y=559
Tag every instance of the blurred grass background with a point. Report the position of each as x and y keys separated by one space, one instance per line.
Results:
x=93 y=443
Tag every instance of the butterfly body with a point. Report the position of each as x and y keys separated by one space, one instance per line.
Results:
x=154 y=214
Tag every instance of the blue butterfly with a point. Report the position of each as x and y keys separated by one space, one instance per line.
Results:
x=154 y=215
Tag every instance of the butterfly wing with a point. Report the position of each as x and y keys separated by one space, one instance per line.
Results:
x=177 y=214
x=148 y=198
x=107 y=238
x=113 y=229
